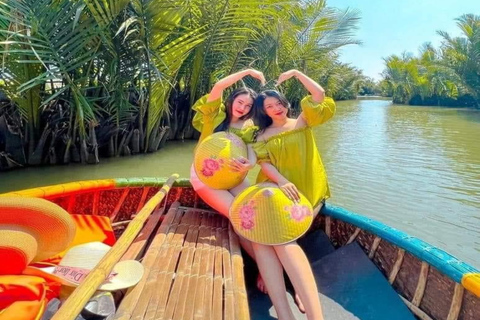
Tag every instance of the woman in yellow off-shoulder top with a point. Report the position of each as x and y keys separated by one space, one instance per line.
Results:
x=288 y=155
x=212 y=115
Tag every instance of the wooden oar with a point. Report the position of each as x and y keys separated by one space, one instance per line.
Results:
x=74 y=304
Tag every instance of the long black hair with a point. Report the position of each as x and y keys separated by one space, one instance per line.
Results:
x=228 y=107
x=261 y=119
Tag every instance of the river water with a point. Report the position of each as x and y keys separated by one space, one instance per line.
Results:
x=414 y=168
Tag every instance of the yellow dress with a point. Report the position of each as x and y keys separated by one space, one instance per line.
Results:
x=211 y=114
x=295 y=155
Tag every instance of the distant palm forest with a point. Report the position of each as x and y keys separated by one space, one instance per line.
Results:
x=85 y=79
x=447 y=76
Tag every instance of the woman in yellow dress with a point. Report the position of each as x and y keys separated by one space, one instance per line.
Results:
x=288 y=155
x=212 y=115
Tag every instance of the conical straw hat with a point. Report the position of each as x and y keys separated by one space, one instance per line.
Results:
x=212 y=157
x=263 y=214
x=80 y=260
x=31 y=229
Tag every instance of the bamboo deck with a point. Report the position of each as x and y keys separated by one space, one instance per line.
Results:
x=193 y=270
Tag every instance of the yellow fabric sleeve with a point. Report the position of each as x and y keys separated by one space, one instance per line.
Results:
x=317 y=113
x=260 y=149
x=208 y=115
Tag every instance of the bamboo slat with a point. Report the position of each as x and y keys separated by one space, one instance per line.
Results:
x=183 y=270
x=239 y=289
x=354 y=235
x=143 y=198
x=200 y=210
x=72 y=307
x=155 y=293
x=396 y=266
x=416 y=310
x=373 y=249
x=229 y=299
x=139 y=244
x=209 y=275
x=125 y=310
x=421 y=284
x=115 y=211
x=166 y=276
x=178 y=195
x=217 y=303
x=456 y=305
x=120 y=223
x=200 y=253
x=201 y=292
x=96 y=201
x=71 y=203
x=328 y=226
x=187 y=276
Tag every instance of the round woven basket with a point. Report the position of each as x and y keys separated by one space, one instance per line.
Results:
x=263 y=214
x=212 y=157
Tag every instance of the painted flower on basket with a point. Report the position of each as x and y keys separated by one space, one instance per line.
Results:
x=298 y=212
x=207 y=173
x=210 y=165
x=246 y=214
x=247 y=224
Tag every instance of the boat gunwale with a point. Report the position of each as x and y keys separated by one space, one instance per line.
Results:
x=449 y=265
x=443 y=261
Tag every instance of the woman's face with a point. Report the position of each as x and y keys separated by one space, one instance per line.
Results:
x=274 y=108
x=241 y=105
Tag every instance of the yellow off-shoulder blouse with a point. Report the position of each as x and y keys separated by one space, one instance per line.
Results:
x=295 y=155
x=211 y=114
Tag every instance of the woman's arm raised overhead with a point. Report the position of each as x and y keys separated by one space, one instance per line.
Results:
x=316 y=90
x=226 y=82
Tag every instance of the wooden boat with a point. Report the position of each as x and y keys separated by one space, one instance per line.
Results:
x=194 y=267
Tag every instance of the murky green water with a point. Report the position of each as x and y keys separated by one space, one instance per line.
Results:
x=414 y=168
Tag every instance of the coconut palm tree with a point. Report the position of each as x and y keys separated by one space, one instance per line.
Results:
x=449 y=75
x=86 y=78
x=462 y=54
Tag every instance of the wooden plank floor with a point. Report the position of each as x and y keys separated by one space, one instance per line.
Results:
x=193 y=270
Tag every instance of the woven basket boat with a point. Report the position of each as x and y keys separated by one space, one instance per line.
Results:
x=193 y=263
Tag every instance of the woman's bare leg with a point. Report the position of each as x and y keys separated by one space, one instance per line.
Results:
x=218 y=200
x=300 y=273
x=272 y=273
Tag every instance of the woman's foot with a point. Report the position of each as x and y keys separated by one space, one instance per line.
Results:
x=261 y=284
x=299 y=303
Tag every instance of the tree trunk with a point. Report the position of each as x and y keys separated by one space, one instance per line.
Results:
x=111 y=147
x=136 y=141
x=126 y=151
x=93 y=155
x=37 y=155
x=158 y=138
x=164 y=138
x=52 y=154
x=83 y=150
x=66 y=155
x=13 y=142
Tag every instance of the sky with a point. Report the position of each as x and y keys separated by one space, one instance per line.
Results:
x=394 y=26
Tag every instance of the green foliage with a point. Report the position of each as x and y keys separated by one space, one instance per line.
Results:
x=90 y=77
x=449 y=75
